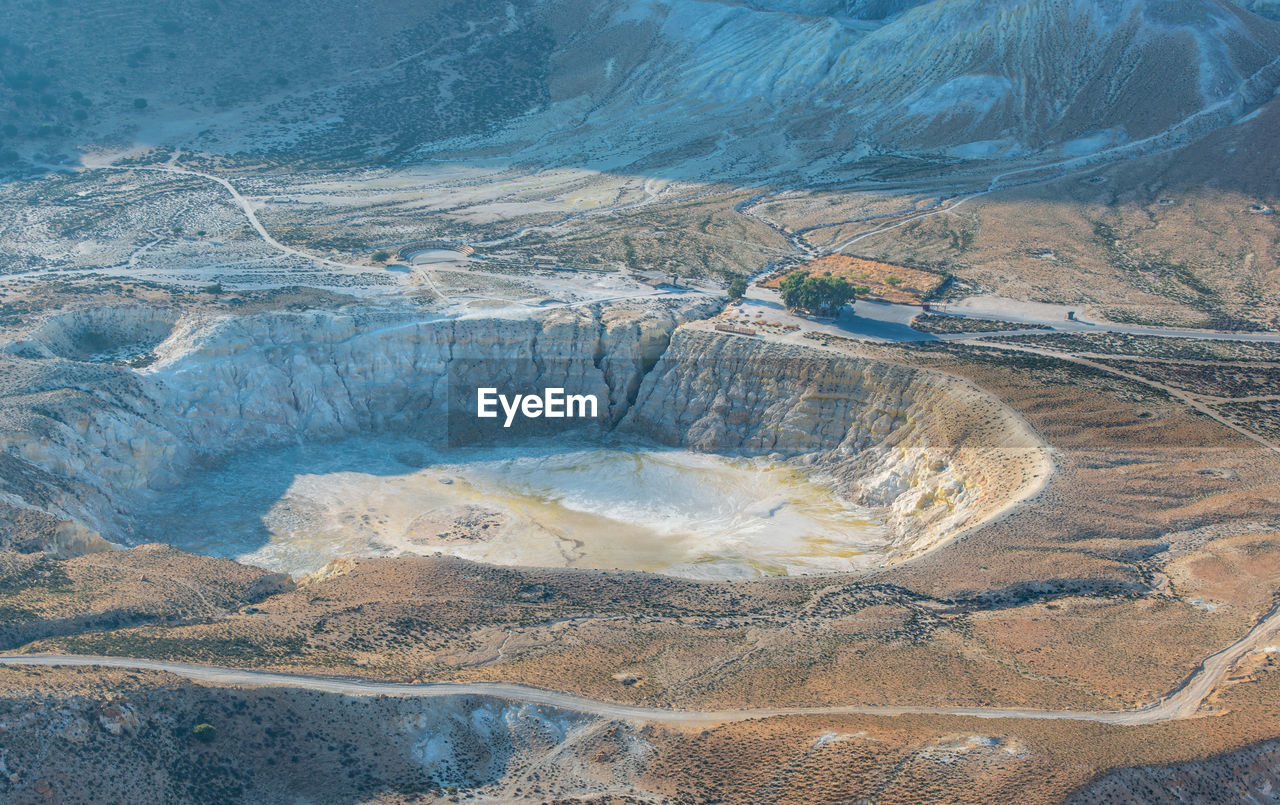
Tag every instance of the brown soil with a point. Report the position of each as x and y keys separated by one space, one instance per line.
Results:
x=909 y=287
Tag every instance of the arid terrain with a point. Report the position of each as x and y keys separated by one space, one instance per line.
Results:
x=1007 y=528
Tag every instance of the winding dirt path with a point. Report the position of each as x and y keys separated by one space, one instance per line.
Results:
x=1188 y=398
x=1182 y=702
x=250 y=212
x=1172 y=137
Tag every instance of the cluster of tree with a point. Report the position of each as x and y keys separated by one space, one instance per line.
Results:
x=823 y=295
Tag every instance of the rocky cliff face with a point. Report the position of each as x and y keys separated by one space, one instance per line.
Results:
x=940 y=454
x=90 y=444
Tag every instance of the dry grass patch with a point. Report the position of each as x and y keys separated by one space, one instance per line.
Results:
x=887 y=281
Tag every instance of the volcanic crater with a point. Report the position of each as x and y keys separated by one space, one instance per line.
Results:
x=288 y=439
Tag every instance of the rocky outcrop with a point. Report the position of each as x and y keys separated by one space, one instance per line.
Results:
x=101 y=444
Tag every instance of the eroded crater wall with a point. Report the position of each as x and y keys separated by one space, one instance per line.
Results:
x=940 y=453
x=92 y=444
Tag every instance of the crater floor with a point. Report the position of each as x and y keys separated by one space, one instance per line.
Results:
x=672 y=511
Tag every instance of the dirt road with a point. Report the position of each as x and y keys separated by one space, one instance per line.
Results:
x=1183 y=702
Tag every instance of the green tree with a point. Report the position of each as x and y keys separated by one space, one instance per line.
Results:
x=737 y=288
x=139 y=103
x=823 y=295
x=204 y=733
x=629 y=252
x=381 y=256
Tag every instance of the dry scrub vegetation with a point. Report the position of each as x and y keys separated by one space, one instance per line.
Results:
x=276 y=744
x=1178 y=238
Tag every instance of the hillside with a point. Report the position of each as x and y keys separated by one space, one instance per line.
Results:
x=700 y=87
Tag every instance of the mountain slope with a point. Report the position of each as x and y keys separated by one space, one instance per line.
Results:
x=968 y=78
x=715 y=87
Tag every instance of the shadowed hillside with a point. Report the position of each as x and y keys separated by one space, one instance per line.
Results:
x=728 y=89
